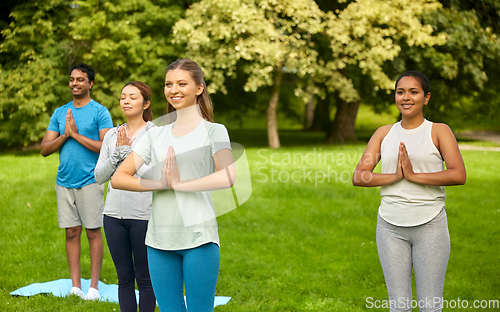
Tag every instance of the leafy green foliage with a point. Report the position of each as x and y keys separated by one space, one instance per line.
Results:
x=366 y=35
x=122 y=40
x=127 y=40
x=350 y=51
x=257 y=35
x=462 y=72
x=30 y=82
x=317 y=47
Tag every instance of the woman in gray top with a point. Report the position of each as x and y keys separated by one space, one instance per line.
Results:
x=126 y=214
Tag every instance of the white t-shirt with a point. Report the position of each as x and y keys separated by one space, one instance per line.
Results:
x=405 y=203
x=182 y=220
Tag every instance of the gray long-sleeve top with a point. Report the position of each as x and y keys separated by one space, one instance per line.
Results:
x=122 y=204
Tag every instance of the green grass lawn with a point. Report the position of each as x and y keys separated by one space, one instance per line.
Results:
x=300 y=243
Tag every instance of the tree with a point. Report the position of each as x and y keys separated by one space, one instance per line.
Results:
x=269 y=37
x=341 y=53
x=122 y=40
x=33 y=54
x=126 y=40
x=363 y=37
x=462 y=71
x=265 y=38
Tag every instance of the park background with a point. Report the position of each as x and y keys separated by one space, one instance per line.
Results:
x=289 y=79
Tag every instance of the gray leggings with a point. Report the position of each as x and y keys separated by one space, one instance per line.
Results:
x=426 y=247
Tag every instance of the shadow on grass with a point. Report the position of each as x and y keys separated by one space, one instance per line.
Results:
x=288 y=138
x=257 y=138
x=292 y=138
x=19 y=152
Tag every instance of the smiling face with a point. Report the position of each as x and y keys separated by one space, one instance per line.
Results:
x=79 y=84
x=180 y=88
x=410 y=97
x=132 y=101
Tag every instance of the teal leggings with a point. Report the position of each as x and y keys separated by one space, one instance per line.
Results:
x=195 y=269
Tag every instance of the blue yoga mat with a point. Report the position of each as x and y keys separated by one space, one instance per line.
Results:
x=62 y=287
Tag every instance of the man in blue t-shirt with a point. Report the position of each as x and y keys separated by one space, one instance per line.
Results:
x=77 y=130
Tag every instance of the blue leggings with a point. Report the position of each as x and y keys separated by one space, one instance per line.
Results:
x=126 y=244
x=195 y=268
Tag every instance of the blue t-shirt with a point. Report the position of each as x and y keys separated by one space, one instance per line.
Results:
x=76 y=162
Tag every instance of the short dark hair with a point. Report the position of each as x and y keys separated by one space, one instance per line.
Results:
x=84 y=68
x=421 y=78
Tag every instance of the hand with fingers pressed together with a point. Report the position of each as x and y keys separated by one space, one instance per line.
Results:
x=399 y=169
x=70 y=128
x=122 y=138
x=404 y=162
x=172 y=168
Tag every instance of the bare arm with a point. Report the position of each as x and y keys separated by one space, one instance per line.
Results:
x=363 y=174
x=222 y=178
x=93 y=145
x=52 y=142
x=124 y=179
x=448 y=147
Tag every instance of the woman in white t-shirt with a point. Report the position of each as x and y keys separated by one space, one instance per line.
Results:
x=189 y=158
x=412 y=229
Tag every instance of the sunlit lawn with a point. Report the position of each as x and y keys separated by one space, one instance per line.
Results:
x=300 y=243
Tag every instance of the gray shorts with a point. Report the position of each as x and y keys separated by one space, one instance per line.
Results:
x=80 y=205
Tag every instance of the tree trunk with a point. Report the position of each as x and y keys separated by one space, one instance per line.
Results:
x=309 y=113
x=321 y=118
x=343 y=124
x=272 y=120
